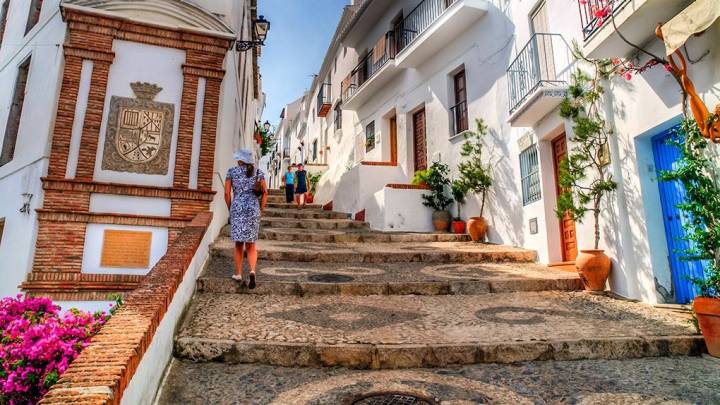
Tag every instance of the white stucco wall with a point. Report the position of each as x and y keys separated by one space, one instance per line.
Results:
x=22 y=174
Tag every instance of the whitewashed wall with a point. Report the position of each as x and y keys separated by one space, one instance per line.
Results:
x=23 y=173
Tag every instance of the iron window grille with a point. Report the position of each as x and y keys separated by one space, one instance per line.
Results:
x=530 y=175
x=370 y=137
x=338 y=115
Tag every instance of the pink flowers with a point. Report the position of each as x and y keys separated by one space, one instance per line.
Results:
x=37 y=345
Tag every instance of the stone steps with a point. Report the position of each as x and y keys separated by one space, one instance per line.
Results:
x=311 y=223
x=304 y=214
x=354 y=236
x=406 y=331
x=291 y=206
x=426 y=252
x=305 y=279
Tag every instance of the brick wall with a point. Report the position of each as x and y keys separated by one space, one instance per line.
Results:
x=104 y=369
x=65 y=214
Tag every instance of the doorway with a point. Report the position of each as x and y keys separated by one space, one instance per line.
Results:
x=568 y=236
x=672 y=193
x=393 y=141
x=419 y=140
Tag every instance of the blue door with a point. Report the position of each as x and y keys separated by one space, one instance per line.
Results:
x=671 y=194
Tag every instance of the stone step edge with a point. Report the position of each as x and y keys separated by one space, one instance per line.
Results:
x=217 y=285
x=381 y=356
x=388 y=257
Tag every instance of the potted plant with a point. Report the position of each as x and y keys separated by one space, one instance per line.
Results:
x=701 y=180
x=475 y=175
x=459 y=190
x=314 y=180
x=583 y=176
x=436 y=178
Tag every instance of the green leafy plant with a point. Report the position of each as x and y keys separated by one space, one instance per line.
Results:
x=474 y=174
x=267 y=143
x=314 y=180
x=437 y=178
x=583 y=174
x=696 y=171
x=459 y=190
x=420 y=177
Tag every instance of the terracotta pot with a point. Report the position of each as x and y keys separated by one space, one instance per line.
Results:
x=309 y=198
x=708 y=314
x=477 y=228
x=458 y=227
x=441 y=220
x=594 y=268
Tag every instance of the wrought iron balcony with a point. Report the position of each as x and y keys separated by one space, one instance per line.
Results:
x=324 y=100
x=459 y=117
x=635 y=19
x=537 y=78
x=369 y=66
x=418 y=20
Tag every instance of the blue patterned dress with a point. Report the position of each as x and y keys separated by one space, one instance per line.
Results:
x=245 y=206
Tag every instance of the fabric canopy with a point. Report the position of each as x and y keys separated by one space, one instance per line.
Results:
x=696 y=18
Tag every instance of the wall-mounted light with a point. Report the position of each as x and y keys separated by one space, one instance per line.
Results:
x=27 y=198
x=261 y=26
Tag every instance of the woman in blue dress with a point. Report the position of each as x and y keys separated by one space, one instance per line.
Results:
x=242 y=184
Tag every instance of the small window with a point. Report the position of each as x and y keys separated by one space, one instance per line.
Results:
x=530 y=175
x=370 y=137
x=460 y=109
x=338 y=115
x=2 y=229
x=3 y=18
x=314 y=150
x=34 y=14
x=13 y=122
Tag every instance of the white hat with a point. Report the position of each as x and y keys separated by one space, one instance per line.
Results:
x=245 y=156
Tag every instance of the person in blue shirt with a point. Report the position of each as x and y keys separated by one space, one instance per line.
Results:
x=290 y=184
x=302 y=185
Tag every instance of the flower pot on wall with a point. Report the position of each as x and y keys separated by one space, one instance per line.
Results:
x=594 y=268
x=441 y=220
x=477 y=228
x=458 y=227
x=707 y=311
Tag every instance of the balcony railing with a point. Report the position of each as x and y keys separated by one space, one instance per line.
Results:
x=459 y=114
x=370 y=64
x=545 y=61
x=418 y=20
x=324 y=99
x=595 y=13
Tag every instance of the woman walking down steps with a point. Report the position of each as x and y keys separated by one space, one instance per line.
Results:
x=246 y=197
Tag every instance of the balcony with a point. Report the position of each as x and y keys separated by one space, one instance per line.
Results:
x=324 y=100
x=431 y=26
x=537 y=78
x=459 y=118
x=635 y=19
x=373 y=72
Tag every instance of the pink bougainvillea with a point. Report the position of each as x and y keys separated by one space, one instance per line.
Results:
x=37 y=344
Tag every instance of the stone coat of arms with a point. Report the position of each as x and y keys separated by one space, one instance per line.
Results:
x=139 y=132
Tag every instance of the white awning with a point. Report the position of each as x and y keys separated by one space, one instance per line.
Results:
x=696 y=18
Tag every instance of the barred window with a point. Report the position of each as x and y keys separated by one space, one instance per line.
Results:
x=370 y=137
x=338 y=115
x=530 y=175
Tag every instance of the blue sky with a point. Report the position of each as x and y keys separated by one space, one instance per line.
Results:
x=300 y=32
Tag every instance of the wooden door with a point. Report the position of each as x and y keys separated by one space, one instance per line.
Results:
x=393 y=141
x=419 y=142
x=568 y=237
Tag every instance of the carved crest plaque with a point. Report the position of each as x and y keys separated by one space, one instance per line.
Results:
x=139 y=132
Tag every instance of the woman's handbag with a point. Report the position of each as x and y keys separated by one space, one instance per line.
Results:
x=258 y=188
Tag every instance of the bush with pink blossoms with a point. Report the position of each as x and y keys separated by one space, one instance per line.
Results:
x=37 y=344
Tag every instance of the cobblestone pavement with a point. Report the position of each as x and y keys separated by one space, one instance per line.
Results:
x=674 y=380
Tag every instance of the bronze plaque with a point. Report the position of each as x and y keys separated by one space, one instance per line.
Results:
x=126 y=249
x=139 y=132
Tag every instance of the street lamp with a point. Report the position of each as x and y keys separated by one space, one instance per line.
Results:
x=267 y=126
x=261 y=26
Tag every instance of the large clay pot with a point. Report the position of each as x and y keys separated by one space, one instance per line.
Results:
x=707 y=311
x=458 y=227
x=594 y=268
x=477 y=228
x=441 y=220
x=309 y=198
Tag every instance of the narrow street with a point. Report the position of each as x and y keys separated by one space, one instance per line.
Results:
x=346 y=315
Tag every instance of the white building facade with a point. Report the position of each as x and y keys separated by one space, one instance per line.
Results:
x=403 y=79
x=84 y=75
